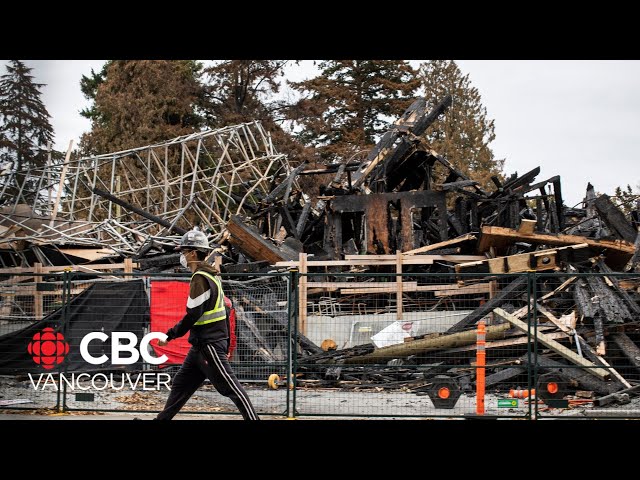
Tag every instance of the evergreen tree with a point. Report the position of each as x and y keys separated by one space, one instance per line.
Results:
x=464 y=132
x=138 y=102
x=239 y=91
x=626 y=199
x=344 y=109
x=25 y=131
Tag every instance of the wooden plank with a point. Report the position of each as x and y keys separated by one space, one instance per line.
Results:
x=465 y=290
x=385 y=287
x=618 y=250
x=549 y=342
x=436 y=246
x=89 y=254
x=302 y=307
x=416 y=259
x=389 y=287
x=249 y=242
x=367 y=285
x=485 y=287
x=564 y=285
x=61 y=268
x=507 y=342
x=527 y=227
x=553 y=319
x=29 y=290
x=540 y=260
x=366 y=260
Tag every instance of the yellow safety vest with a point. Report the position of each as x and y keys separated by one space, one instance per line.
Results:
x=219 y=312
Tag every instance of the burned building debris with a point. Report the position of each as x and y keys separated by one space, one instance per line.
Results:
x=386 y=238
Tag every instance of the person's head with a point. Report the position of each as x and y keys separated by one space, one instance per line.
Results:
x=194 y=247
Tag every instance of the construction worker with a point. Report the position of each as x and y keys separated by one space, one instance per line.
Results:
x=206 y=319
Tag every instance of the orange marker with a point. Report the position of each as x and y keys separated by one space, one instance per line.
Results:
x=480 y=364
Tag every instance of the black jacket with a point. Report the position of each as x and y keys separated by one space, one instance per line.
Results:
x=203 y=294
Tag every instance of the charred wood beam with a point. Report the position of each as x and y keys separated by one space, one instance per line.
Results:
x=634 y=262
x=455 y=223
x=446 y=163
x=251 y=243
x=288 y=222
x=615 y=396
x=411 y=173
x=557 y=192
x=387 y=144
x=628 y=347
x=547 y=208
x=622 y=293
x=248 y=267
x=462 y=213
x=507 y=294
x=503 y=374
x=582 y=378
x=406 y=144
x=529 y=188
x=285 y=185
x=539 y=221
x=522 y=179
x=455 y=185
x=139 y=211
x=302 y=220
x=375 y=208
x=611 y=307
x=614 y=218
x=159 y=260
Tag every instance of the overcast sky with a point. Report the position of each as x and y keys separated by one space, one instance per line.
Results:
x=577 y=119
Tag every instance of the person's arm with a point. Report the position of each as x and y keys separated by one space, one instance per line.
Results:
x=199 y=295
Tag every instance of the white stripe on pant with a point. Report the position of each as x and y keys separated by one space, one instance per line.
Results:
x=239 y=391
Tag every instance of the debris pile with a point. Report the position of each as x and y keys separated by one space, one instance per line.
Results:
x=405 y=211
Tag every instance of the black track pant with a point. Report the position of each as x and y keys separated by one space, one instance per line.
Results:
x=206 y=361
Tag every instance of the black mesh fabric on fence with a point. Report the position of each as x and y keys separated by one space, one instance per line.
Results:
x=103 y=307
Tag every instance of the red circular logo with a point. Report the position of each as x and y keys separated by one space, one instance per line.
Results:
x=48 y=348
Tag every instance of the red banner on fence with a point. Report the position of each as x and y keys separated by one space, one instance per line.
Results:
x=168 y=306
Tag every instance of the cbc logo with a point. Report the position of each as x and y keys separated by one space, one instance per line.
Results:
x=48 y=348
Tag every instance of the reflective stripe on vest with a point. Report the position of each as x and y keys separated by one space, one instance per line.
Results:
x=219 y=312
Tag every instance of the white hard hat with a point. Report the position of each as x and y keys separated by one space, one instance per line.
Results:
x=194 y=240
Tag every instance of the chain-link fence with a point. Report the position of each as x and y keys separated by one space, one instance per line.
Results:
x=334 y=344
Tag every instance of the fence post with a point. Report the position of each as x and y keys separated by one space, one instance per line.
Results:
x=293 y=342
x=128 y=268
x=302 y=295
x=399 y=285
x=533 y=320
x=37 y=294
x=61 y=400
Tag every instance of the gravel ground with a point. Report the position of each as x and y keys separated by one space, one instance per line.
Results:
x=309 y=403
